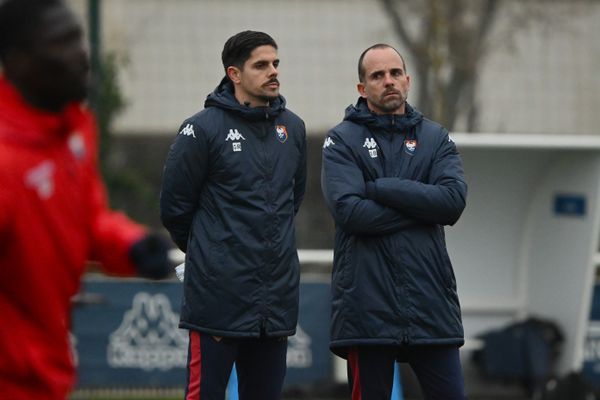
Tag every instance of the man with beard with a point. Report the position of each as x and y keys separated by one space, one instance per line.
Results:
x=392 y=179
x=53 y=208
x=233 y=182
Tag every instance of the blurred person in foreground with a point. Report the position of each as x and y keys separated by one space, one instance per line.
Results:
x=392 y=179
x=232 y=185
x=53 y=207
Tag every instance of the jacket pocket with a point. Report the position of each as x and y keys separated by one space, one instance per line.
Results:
x=347 y=272
x=217 y=252
x=446 y=264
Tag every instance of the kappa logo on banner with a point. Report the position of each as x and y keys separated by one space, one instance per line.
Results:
x=410 y=146
x=282 y=134
x=591 y=352
x=149 y=337
x=299 y=353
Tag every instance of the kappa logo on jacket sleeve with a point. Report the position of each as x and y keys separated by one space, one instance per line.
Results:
x=328 y=142
x=188 y=130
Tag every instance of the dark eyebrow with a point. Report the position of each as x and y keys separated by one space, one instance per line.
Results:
x=263 y=62
x=380 y=71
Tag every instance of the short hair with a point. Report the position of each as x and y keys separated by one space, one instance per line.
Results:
x=238 y=48
x=18 y=20
x=361 y=67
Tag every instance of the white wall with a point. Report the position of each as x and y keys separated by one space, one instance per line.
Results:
x=547 y=83
x=513 y=255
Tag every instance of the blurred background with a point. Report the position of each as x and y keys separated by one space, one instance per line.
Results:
x=501 y=70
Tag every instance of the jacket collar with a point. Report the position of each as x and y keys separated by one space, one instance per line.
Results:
x=223 y=97
x=361 y=114
x=20 y=123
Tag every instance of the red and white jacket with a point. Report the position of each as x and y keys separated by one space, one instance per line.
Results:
x=53 y=217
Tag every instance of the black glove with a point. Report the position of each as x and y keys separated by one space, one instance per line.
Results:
x=151 y=256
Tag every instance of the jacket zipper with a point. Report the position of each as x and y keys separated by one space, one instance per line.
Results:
x=267 y=241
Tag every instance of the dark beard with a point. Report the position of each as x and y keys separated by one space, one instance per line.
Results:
x=268 y=99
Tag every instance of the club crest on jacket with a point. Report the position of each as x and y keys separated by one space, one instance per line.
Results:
x=410 y=146
x=282 y=134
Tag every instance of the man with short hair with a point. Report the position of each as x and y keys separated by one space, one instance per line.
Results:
x=232 y=185
x=53 y=208
x=392 y=179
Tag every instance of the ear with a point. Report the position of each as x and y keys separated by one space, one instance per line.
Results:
x=361 y=90
x=234 y=74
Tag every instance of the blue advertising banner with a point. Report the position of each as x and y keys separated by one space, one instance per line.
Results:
x=126 y=335
x=591 y=354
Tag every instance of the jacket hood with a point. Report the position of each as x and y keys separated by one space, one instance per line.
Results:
x=223 y=97
x=360 y=114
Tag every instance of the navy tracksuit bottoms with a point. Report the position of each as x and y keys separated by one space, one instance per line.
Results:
x=260 y=366
x=438 y=369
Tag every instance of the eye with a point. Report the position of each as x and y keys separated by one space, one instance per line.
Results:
x=276 y=63
x=397 y=73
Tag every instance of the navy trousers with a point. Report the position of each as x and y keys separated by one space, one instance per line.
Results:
x=260 y=366
x=438 y=369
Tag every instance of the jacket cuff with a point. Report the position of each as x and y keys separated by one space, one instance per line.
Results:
x=371 y=190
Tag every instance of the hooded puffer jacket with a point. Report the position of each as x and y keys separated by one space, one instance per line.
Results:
x=233 y=182
x=391 y=182
x=54 y=216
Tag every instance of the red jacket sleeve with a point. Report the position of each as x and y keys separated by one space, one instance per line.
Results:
x=113 y=233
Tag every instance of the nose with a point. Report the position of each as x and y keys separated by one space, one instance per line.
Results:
x=387 y=80
x=273 y=70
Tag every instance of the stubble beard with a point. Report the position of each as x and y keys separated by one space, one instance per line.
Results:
x=390 y=106
x=268 y=98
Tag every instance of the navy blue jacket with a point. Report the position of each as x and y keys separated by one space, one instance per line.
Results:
x=391 y=183
x=233 y=182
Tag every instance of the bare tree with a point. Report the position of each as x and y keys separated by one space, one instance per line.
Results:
x=449 y=40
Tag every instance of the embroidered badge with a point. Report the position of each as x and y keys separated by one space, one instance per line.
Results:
x=77 y=145
x=282 y=134
x=410 y=146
